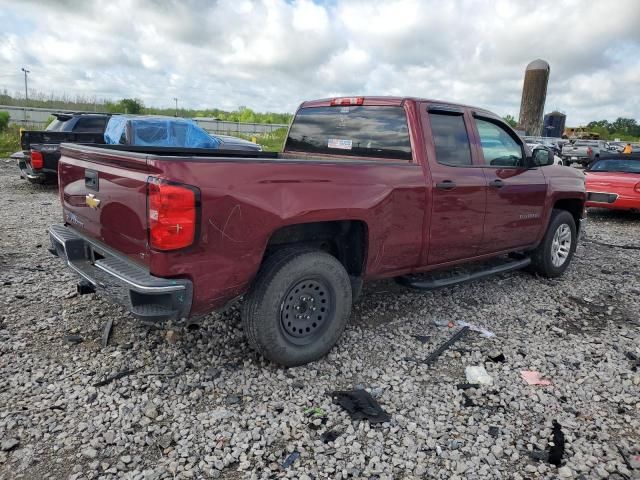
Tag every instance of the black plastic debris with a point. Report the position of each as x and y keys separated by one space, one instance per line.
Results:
x=500 y=358
x=329 y=436
x=438 y=351
x=494 y=431
x=467 y=402
x=467 y=386
x=540 y=455
x=556 y=451
x=422 y=338
x=624 y=457
x=74 y=339
x=634 y=359
x=433 y=356
x=290 y=459
x=361 y=406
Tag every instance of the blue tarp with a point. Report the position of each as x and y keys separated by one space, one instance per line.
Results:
x=157 y=132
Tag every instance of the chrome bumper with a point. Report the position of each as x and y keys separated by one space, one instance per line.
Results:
x=120 y=279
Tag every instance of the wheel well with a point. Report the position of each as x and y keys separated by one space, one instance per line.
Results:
x=572 y=205
x=344 y=239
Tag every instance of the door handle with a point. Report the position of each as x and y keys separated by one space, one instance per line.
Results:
x=496 y=183
x=446 y=185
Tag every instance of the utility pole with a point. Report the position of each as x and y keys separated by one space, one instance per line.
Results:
x=26 y=93
x=176 y=100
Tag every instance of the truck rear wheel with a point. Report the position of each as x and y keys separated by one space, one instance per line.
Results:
x=298 y=306
x=553 y=255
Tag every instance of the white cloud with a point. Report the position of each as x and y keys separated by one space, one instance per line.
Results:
x=273 y=54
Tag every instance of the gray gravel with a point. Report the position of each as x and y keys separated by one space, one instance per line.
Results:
x=200 y=404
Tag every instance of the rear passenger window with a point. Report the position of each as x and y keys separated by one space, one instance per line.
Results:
x=90 y=124
x=451 y=139
x=351 y=131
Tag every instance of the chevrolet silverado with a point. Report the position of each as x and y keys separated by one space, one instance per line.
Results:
x=365 y=188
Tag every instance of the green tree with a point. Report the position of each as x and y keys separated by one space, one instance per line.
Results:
x=510 y=120
x=626 y=126
x=599 y=124
x=600 y=129
x=130 y=105
x=4 y=121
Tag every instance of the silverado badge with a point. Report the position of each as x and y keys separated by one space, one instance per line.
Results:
x=92 y=201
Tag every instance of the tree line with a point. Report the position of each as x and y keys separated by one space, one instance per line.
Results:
x=136 y=106
x=622 y=128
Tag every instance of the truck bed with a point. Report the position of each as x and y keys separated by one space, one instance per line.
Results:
x=243 y=198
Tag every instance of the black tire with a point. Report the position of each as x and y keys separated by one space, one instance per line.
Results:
x=566 y=163
x=542 y=257
x=307 y=278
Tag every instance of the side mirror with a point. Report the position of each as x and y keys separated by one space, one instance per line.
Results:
x=542 y=157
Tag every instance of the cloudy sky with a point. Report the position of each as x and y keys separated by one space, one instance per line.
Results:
x=272 y=54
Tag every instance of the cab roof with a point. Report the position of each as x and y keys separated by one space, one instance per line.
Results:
x=392 y=101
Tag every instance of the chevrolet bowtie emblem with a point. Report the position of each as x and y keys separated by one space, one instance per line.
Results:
x=92 y=201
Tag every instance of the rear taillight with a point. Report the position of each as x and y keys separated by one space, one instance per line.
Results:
x=348 y=101
x=37 y=161
x=172 y=213
x=637 y=188
x=589 y=150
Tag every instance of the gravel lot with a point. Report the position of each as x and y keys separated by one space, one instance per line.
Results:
x=200 y=404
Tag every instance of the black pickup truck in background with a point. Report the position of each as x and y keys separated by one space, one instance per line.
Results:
x=38 y=159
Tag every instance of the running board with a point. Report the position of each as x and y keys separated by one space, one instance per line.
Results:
x=434 y=283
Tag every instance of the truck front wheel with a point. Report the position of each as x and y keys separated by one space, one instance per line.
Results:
x=553 y=255
x=298 y=306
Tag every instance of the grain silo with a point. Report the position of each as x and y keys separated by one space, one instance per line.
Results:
x=534 y=93
x=553 y=125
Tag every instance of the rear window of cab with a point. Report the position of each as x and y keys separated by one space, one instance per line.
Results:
x=352 y=131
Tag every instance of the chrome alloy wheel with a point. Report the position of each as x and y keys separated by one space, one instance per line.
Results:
x=561 y=245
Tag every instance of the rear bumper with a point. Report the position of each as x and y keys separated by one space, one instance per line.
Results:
x=121 y=280
x=40 y=176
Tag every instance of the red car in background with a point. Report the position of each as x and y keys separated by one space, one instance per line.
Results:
x=614 y=183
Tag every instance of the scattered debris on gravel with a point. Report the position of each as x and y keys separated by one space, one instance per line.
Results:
x=178 y=402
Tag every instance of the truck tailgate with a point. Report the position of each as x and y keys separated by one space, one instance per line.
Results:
x=30 y=137
x=103 y=196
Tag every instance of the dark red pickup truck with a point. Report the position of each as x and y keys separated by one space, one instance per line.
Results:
x=366 y=188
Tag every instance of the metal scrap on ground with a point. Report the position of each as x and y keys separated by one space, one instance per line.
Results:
x=481 y=330
x=115 y=376
x=106 y=333
x=438 y=351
